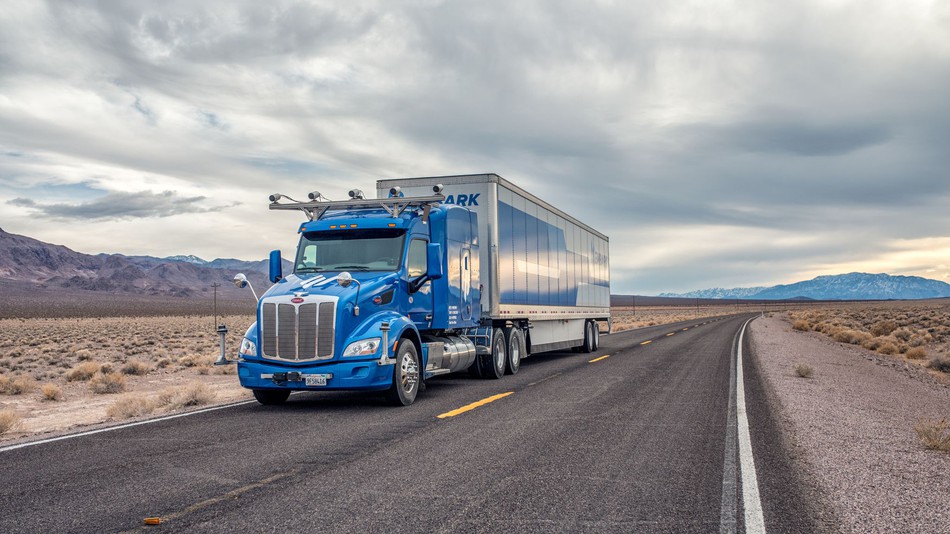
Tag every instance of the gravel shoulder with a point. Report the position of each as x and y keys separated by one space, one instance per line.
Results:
x=852 y=427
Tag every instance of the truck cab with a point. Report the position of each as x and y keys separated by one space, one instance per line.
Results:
x=380 y=294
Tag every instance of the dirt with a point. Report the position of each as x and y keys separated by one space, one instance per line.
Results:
x=854 y=423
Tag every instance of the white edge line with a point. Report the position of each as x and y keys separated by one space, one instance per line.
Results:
x=119 y=427
x=754 y=521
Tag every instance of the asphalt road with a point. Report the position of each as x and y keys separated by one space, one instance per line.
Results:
x=631 y=442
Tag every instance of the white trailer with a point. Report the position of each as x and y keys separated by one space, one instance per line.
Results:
x=542 y=272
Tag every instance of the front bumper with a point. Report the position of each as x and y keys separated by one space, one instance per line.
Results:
x=356 y=375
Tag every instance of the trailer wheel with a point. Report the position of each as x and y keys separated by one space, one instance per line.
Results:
x=516 y=349
x=493 y=364
x=405 y=385
x=596 y=332
x=271 y=397
x=588 y=345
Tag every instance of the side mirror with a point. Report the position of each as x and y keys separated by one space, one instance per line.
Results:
x=276 y=269
x=241 y=282
x=434 y=269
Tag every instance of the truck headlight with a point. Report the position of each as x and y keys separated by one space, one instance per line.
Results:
x=248 y=348
x=363 y=347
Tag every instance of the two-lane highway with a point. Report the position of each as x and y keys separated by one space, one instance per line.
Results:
x=632 y=438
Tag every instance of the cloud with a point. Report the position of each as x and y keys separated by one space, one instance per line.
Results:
x=728 y=145
x=121 y=205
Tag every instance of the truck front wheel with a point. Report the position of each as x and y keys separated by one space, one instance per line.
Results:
x=405 y=375
x=269 y=397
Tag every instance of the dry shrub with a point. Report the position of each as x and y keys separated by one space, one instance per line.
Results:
x=193 y=394
x=854 y=337
x=83 y=371
x=941 y=364
x=801 y=324
x=52 y=392
x=933 y=433
x=128 y=406
x=195 y=360
x=902 y=334
x=883 y=328
x=16 y=386
x=888 y=347
x=916 y=353
x=804 y=370
x=872 y=343
x=136 y=367
x=163 y=363
x=107 y=383
x=9 y=421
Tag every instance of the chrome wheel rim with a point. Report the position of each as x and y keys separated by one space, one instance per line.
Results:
x=515 y=354
x=408 y=373
x=500 y=354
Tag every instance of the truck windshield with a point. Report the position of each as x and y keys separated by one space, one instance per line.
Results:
x=350 y=250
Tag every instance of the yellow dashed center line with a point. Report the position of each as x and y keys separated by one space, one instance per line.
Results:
x=647 y=342
x=474 y=405
x=604 y=357
x=670 y=334
x=685 y=329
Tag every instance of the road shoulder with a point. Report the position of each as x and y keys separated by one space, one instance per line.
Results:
x=849 y=429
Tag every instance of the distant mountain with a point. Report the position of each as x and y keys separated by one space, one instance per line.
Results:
x=851 y=286
x=717 y=293
x=187 y=259
x=25 y=261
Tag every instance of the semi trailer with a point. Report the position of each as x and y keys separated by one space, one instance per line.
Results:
x=436 y=275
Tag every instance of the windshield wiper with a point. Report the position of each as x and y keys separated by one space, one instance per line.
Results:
x=358 y=267
x=310 y=270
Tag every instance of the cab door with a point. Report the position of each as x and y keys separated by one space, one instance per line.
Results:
x=418 y=304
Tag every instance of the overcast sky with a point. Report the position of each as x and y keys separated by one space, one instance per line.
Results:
x=717 y=143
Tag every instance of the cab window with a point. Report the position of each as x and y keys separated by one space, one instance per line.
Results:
x=416 y=259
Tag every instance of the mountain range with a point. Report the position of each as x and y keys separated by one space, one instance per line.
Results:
x=26 y=262
x=851 y=286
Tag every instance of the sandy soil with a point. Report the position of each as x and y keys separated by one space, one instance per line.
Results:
x=854 y=423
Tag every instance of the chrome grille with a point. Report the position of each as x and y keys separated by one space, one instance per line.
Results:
x=297 y=332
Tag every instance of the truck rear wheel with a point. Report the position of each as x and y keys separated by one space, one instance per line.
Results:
x=596 y=332
x=492 y=365
x=516 y=349
x=271 y=397
x=405 y=385
x=589 y=334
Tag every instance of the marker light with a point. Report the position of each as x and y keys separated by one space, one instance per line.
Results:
x=356 y=194
x=437 y=188
x=395 y=192
x=275 y=197
x=314 y=195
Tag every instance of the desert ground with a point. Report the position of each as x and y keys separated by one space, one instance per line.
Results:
x=60 y=374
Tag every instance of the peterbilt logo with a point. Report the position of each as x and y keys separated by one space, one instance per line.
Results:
x=463 y=199
x=296 y=300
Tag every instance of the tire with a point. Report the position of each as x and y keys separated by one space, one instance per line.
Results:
x=596 y=332
x=406 y=375
x=271 y=397
x=588 y=345
x=493 y=365
x=517 y=349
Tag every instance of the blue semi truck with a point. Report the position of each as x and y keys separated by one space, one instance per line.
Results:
x=437 y=275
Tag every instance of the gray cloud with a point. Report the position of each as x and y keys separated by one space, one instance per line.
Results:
x=810 y=134
x=121 y=205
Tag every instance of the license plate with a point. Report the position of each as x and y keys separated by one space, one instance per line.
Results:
x=316 y=380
